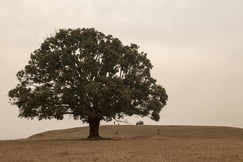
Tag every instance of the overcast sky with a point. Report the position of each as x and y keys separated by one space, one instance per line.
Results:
x=195 y=46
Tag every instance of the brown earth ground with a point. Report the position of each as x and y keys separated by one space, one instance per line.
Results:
x=129 y=144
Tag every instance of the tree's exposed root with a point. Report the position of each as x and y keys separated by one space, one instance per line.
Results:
x=99 y=138
x=94 y=138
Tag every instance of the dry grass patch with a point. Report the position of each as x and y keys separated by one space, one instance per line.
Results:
x=131 y=144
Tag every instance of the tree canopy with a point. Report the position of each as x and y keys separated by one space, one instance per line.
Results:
x=89 y=75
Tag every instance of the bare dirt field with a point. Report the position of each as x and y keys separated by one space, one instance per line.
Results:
x=129 y=143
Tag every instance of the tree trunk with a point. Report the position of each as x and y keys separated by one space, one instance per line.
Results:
x=94 y=128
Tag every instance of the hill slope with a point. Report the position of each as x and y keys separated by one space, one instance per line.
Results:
x=146 y=131
x=131 y=144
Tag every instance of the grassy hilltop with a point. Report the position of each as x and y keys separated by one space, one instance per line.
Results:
x=129 y=143
x=146 y=131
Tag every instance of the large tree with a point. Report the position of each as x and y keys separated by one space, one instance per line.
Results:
x=89 y=75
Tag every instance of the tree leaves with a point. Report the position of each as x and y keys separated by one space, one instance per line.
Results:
x=87 y=74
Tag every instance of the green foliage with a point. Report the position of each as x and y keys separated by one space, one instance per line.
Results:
x=89 y=75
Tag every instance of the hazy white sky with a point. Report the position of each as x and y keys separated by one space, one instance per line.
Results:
x=195 y=47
